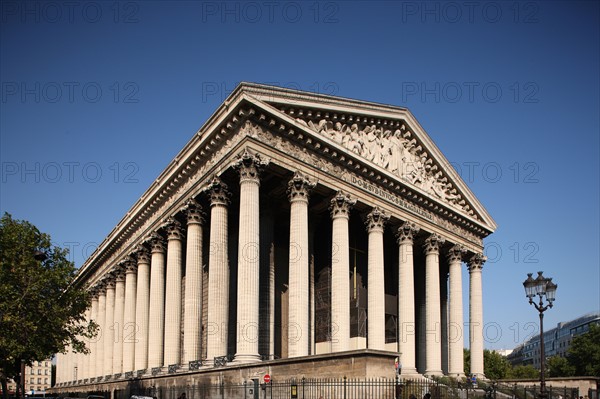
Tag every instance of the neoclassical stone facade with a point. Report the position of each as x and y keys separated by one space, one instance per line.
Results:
x=292 y=226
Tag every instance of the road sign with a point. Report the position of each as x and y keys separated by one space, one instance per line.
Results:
x=267 y=378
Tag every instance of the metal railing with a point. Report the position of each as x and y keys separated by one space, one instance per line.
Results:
x=316 y=389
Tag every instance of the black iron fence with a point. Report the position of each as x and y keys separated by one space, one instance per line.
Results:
x=443 y=388
x=316 y=389
x=515 y=391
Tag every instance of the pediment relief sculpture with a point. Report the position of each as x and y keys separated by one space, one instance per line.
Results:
x=393 y=149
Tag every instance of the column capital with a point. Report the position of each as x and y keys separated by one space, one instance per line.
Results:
x=110 y=281
x=124 y=263
x=433 y=243
x=376 y=220
x=299 y=187
x=341 y=205
x=173 y=227
x=157 y=243
x=193 y=211
x=101 y=286
x=249 y=166
x=456 y=253
x=406 y=232
x=217 y=191
x=143 y=255
x=131 y=267
x=118 y=272
x=475 y=262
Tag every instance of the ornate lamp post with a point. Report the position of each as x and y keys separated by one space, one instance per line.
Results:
x=542 y=287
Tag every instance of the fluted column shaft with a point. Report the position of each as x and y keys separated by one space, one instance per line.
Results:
x=193 y=285
x=248 y=260
x=455 y=314
x=103 y=328
x=433 y=357
x=173 y=295
x=142 y=303
x=156 y=312
x=95 y=340
x=109 y=322
x=340 y=266
x=86 y=358
x=117 y=367
x=476 y=314
x=406 y=299
x=376 y=294
x=129 y=325
x=66 y=365
x=298 y=325
x=217 y=328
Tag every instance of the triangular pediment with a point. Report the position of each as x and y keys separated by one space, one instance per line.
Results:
x=386 y=137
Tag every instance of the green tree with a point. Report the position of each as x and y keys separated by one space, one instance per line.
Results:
x=584 y=353
x=41 y=312
x=558 y=366
x=467 y=361
x=524 y=372
x=495 y=365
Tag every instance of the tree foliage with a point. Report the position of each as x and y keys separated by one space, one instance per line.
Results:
x=41 y=313
x=495 y=366
x=558 y=366
x=524 y=372
x=584 y=353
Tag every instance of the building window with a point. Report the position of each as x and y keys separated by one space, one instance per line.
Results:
x=32 y=371
x=31 y=380
x=39 y=380
x=39 y=371
x=46 y=372
x=45 y=380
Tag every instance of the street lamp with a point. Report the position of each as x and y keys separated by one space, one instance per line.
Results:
x=542 y=287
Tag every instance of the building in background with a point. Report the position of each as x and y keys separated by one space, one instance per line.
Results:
x=556 y=341
x=38 y=377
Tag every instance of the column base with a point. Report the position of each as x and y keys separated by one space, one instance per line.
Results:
x=242 y=359
x=410 y=373
x=433 y=373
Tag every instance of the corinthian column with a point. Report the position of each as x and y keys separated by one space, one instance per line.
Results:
x=92 y=373
x=109 y=322
x=129 y=326
x=476 y=314
x=193 y=284
x=375 y=222
x=156 y=312
x=103 y=329
x=86 y=358
x=217 y=328
x=298 y=326
x=173 y=294
x=433 y=336
x=406 y=299
x=340 y=269
x=455 y=315
x=249 y=167
x=119 y=318
x=142 y=302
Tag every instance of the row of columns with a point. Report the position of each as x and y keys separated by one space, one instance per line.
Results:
x=140 y=323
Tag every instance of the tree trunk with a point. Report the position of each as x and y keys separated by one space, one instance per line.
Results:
x=4 y=387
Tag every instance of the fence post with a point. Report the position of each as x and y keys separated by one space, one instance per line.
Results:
x=345 y=387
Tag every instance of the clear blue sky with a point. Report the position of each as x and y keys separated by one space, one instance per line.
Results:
x=98 y=97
